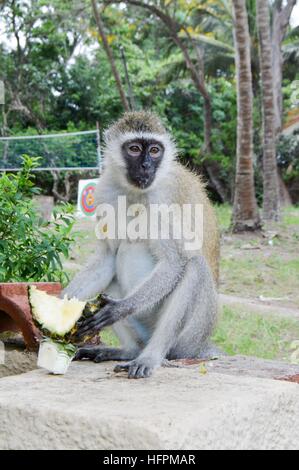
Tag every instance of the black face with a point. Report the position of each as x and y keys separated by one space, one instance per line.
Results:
x=142 y=157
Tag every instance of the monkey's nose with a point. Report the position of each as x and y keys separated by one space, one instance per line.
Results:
x=145 y=165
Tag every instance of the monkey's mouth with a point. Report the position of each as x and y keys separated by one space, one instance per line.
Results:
x=144 y=183
x=141 y=181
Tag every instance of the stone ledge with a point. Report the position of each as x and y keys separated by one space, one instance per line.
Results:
x=93 y=408
x=17 y=362
x=253 y=367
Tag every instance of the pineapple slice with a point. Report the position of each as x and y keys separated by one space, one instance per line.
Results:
x=56 y=317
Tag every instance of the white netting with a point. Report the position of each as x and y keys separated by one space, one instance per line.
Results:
x=68 y=151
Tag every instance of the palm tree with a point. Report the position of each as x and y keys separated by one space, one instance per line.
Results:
x=245 y=210
x=281 y=13
x=270 y=177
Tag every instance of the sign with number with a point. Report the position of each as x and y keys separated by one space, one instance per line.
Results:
x=86 y=197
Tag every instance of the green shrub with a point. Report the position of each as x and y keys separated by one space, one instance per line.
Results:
x=31 y=249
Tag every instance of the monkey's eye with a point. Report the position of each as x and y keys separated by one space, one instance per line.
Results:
x=154 y=151
x=134 y=149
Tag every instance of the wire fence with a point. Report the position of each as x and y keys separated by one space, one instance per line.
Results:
x=65 y=151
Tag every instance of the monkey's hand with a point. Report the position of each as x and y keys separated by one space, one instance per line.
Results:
x=109 y=314
x=141 y=367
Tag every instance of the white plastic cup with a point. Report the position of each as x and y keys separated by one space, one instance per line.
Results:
x=51 y=357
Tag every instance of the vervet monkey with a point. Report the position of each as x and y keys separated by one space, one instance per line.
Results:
x=162 y=299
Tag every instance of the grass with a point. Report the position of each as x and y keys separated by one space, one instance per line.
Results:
x=253 y=334
x=253 y=276
x=290 y=216
x=224 y=214
x=109 y=338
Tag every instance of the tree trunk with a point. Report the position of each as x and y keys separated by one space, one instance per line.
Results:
x=4 y=132
x=198 y=80
x=277 y=71
x=129 y=84
x=245 y=210
x=211 y=166
x=109 y=53
x=285 y=199
x=200 y=85
x=280 y=21
x=206 y=98
x=207 y=112
x=270 y=171
x=212 y=169
x=67 y=184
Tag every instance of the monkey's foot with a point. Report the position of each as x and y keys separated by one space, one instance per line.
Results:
x=137 y=369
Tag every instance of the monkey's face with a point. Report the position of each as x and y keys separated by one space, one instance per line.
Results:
x=142 y=157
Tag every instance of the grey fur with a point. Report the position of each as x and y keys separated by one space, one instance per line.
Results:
x=164 y=301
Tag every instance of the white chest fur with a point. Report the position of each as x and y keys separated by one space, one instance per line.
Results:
x=134 y=263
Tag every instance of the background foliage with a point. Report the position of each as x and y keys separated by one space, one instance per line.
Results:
x=31 y=249
x=58 y=78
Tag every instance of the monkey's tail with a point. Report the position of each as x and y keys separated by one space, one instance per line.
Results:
x=185 y=362
x=209 y=352
x=173 y=363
